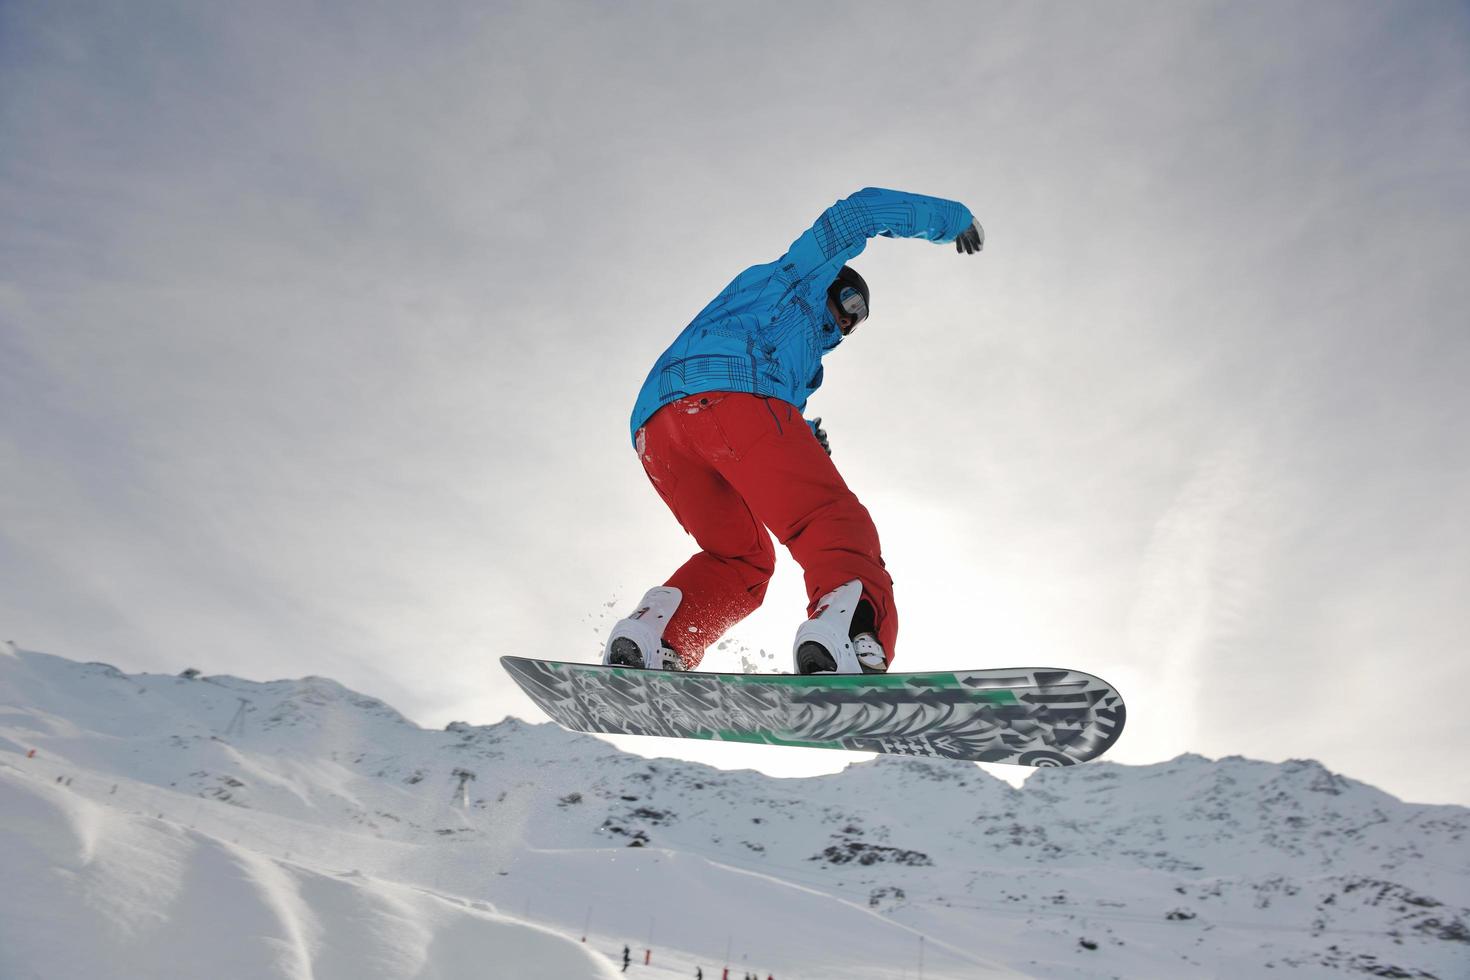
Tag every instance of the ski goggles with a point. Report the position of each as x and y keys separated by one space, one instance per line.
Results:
x=851 y=302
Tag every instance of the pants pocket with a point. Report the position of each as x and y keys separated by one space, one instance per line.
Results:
x=744 y=420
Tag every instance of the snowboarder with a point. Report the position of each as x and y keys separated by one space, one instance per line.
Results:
x=718 y=427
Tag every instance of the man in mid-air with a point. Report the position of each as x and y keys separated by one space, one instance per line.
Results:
x=719 y=430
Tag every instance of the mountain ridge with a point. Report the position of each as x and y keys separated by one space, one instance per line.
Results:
x=1340 y=875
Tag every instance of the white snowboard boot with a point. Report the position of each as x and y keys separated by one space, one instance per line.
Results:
x=824 y=644
x=638 y=640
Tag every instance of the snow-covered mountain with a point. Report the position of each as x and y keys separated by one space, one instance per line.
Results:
x=162 y=826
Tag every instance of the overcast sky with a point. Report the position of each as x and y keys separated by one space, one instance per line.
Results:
x=320 y=325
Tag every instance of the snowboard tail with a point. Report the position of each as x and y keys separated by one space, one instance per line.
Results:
x=1028 y=717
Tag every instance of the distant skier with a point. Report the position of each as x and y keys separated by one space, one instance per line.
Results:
x=626 y=958
x=718 y=428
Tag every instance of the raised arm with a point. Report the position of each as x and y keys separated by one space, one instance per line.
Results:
x=843 y=230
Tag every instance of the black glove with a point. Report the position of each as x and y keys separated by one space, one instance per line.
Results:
x=971 y=240
x=821 y=434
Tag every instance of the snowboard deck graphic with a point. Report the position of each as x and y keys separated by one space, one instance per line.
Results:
x=1021 y=716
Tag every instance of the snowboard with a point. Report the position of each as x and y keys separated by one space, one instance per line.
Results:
x=1020 y=716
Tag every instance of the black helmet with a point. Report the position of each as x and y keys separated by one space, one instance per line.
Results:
x=850 y=293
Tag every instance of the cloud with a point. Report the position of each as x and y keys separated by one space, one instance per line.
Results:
x=1195 y=581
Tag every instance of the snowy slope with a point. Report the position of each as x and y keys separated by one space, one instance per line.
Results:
x=106 y=893
x=306 y=830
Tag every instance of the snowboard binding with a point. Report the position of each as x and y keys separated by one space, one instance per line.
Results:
x=638 y=640
x=839 y=638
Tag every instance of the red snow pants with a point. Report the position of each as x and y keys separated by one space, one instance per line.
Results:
x=730 y=465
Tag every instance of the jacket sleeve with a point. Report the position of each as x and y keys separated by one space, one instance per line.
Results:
x=843 y=230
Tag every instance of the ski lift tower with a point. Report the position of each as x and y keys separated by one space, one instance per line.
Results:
x=462 y=791
x=237 y=723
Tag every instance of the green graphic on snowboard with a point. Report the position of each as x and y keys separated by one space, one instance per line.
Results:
x=1024 y=717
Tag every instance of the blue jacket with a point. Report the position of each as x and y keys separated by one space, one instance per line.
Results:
x=767 y=331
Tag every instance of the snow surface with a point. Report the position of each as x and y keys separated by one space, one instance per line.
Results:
x=182 y=827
